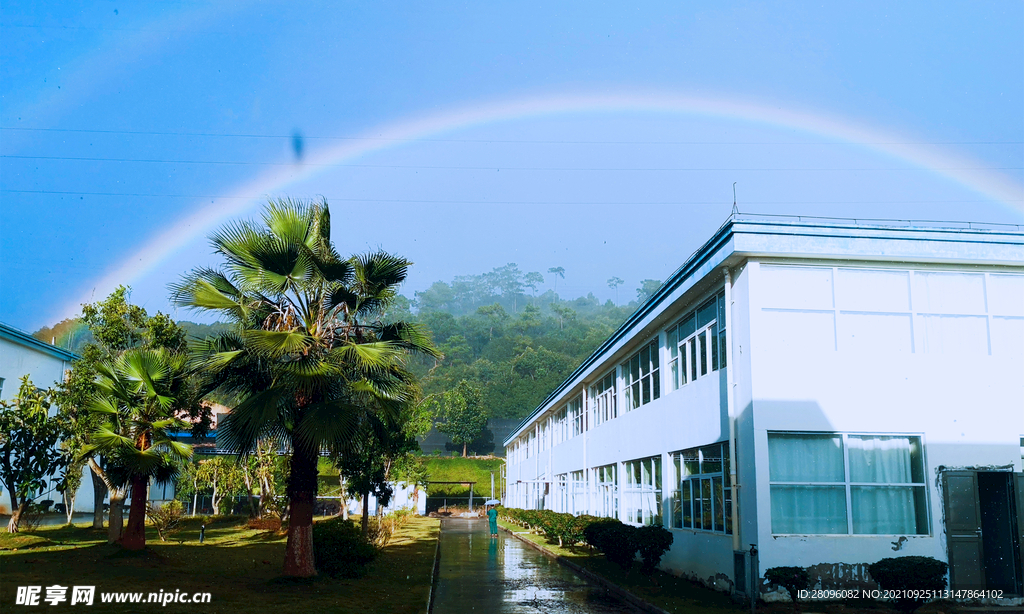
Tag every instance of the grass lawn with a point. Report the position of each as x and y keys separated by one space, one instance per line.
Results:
x=457 y=469
x=240 y=568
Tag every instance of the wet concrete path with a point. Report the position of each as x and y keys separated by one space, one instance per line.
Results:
x=504 y=576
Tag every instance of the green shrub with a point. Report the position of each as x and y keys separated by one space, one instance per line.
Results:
x=793 y=579
x=652 y=542
x=617 y=541
x=166 y=519
x=340 y=550
x=921 y=573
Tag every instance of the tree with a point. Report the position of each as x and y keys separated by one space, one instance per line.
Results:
x=532 y=280
x=116 y=325
x=647 y=289
x=460 y=414
x=133 y=399
x=614 y=283
x=28 y=447
x=222 y=476
x=560 y=272
x=311 y=353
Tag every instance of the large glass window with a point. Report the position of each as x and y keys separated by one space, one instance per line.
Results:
x=641 y=490
x=577 y=493
x=602 y=399
x=641 y=377
x=697 y=344
x=560 y=427
x=578 y=417
x=704 y=498
x=833 y=483
x=607 y=495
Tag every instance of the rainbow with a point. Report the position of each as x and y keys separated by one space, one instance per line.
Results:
x=992 y=185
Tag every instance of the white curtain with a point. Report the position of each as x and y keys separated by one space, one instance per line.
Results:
x=882 y=509
x=807 y=509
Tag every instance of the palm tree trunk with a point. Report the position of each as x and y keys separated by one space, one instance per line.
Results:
x=366 y=514
x=115 y=522
x=134 y=537
x=99 y=493
x=298 y=554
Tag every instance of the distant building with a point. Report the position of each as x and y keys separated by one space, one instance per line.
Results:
x=828 y=391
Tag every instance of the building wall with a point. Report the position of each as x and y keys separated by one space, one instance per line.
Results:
x=930 y=351
x=834 y=333
x=45 y=369
x=18 y=360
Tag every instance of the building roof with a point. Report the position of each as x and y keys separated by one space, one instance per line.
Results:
x=22 y=338
x=748 y=235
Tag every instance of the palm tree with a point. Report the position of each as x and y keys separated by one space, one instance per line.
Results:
x=132 y=394
x=312 y=352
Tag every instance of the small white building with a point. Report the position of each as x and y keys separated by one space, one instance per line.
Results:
x=829 y=392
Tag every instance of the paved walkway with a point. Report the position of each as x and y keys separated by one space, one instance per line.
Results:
x=504 y=576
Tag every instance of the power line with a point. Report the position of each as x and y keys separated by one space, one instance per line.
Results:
x=497 y=168
x=505 y=202
x=513 y=141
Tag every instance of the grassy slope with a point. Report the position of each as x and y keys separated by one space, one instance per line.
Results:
x=238 y=566
x=455 y=469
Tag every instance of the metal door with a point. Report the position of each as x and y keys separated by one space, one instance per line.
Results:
x=963 y=530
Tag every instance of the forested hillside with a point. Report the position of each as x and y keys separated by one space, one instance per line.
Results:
x=497 y=330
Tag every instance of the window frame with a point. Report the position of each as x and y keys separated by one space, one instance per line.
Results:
x=848 y=484
x=602 y=397
x=652 y=376
x=634 y=492
x=684 y=364
x=700 y=478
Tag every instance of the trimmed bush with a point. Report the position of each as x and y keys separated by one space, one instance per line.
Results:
x=793 y=579
x=340 y=550
x=922 y=573
x=653 y=542
x=618 y=542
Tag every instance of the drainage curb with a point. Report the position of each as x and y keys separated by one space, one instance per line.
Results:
x=434 y=572
x=601 y=581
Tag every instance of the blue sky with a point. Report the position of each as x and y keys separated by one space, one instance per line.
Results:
x=129 y=132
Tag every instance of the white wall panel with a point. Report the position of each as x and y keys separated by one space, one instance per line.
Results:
x=873 y=290
x=1006 y=294
x=952 y=293
x=792 y=287
x=1007 y=336
x=798 y=332
x=965 y=335
x=875 y=332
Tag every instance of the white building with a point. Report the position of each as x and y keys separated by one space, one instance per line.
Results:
x=22 y=354
x=829 y=391
x=46 y=364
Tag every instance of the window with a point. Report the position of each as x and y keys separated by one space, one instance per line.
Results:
x=696 y=345
x=641 y=492
x=602 y=399
x=704 y=498
x=577 y=493
x=607 y=503
x=832 y=483
x=641 y=377
x=560 y=426
x=578 y=417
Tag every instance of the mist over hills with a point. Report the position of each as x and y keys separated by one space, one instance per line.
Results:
x=496 y=331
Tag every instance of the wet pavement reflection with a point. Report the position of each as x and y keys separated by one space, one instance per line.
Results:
x=502 y=575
